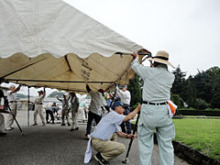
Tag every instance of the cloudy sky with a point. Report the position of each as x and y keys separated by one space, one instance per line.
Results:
x=188 y=29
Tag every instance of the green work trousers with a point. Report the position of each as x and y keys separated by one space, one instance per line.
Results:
x=155 y=117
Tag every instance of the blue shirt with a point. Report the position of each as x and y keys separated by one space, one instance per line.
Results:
x=108 y=126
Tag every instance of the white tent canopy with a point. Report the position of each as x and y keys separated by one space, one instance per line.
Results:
x=49 y=43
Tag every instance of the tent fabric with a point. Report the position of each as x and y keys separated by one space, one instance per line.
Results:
x=50 y=43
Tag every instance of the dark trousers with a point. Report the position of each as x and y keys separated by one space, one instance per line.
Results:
x=48 y=112
x=92 y=116
x=85 y=112
x=126 y=126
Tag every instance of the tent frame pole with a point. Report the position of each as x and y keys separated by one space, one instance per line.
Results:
x=28 y=116
x=57 y=81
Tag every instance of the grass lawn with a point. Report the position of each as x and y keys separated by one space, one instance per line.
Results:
x=201 y=134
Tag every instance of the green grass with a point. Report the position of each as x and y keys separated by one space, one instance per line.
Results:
x=200 y=134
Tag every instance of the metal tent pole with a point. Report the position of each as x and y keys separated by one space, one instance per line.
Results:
x=28 y=105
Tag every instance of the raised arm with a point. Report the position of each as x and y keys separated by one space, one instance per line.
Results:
x=133 y=113
x=17 y=89
x=141 y=70
x=58 y=99
x=44 y=92
x=88 y=88
x=118 y=92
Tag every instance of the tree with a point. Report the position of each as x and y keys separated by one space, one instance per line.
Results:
x=177 y=100
x=19 y=95
x=56 y=93
x=214 y=73
x=203 y=89
x=190 y=92
x=201 y=104
x=203 y=85
x=135 y=89
x=179 y=85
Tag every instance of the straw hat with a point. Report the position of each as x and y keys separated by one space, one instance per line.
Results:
x=161 y=57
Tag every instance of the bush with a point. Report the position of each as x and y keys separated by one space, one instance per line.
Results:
x=134 y=106
x=177 y=100
x=201 y=104
x=212 y=109
x=190 y=108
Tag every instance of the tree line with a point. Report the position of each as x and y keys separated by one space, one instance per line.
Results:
x=200 y=91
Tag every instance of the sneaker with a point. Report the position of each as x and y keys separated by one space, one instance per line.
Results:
x=9 y=128
x=88 y=136
x=100 y=159
x=34 y=124
x=3 y=133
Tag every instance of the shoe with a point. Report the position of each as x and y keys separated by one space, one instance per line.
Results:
x=71 y=129
x=87 y=136
x=48 y=122
x=44 y=125
x=9 y=128
x=100 y=159
x=34 y=124
x=77 y=128
x=68 y=124
x=53 y=122
x=63 y=124
x=3 y=133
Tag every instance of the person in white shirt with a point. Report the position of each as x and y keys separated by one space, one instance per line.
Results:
x=74 y=108
x=39 y=107
x=125 y=97
x=104 y=137
x=2 y=125
x=65 y=110
x=95 y=107
x=12 y=100
x=2 y=110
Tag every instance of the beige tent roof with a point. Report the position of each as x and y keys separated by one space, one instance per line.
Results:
x=50 y=43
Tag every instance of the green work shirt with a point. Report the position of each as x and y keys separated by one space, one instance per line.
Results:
x=75 y=103
x=157 y=82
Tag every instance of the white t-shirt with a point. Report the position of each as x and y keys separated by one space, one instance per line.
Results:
x=11 y=97
x=125 y=96
x=97 y=100
x=39 y=99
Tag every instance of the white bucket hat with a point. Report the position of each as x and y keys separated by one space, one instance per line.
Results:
x=161 y=57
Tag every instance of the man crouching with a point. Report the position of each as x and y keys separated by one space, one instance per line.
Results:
x=103 y=138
